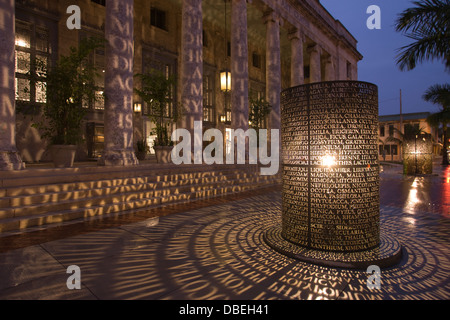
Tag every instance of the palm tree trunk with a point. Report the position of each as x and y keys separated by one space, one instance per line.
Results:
x=444 y=153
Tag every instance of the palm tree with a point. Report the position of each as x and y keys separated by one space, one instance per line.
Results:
x=440 y=94
x=410 y=132
x=428 y=24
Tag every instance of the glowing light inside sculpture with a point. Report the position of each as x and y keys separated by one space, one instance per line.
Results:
x=328 y=161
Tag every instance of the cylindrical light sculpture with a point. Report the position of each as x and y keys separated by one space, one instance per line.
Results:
x=329 y=137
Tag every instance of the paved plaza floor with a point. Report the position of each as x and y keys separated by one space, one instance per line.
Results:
x=214 y=249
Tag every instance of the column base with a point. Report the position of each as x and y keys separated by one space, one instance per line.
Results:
x=118 y=158
x=10 y=160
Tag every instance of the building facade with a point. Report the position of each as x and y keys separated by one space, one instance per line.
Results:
x=266 y=45
x=395 y=126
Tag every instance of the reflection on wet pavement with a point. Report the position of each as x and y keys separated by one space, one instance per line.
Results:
x=429 y=193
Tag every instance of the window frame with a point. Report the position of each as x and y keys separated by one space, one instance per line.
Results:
x=94 y=105
x=156 y=14
x=382 y=130
x=166 y=62
x=209 y=98
x=256 y=60
x=49 y=21
x=34 y=52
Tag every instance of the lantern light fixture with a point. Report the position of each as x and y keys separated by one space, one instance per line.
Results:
x=137 y=107
x=225 y=81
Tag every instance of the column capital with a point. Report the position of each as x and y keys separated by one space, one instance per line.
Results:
x=314 y=48
x=272 y=16
x=296 y=33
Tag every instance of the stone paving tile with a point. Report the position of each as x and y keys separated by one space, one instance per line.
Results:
x=216 y=251
x=23 y=265
x=94 y=246
x=32 y=273
x=129 y=275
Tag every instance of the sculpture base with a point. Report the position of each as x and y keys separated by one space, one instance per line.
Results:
x=387 y=254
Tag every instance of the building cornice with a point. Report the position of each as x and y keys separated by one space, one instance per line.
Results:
x=311 y=12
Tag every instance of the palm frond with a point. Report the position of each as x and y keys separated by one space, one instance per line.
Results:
x=433 y=47
x=438 y=94
x=428 y=12
x=428 y=24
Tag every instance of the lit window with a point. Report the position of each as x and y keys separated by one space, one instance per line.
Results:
x=208 y=98
x=97 y=59
x=32 y=52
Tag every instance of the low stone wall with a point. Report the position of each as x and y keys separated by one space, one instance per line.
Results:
x=45 y=197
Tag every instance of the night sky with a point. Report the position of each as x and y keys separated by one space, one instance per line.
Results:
x=379 y=48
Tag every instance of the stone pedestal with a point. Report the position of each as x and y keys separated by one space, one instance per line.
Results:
x=11 y=160
x=9 y=157
x=119 y=84
x=330 y=195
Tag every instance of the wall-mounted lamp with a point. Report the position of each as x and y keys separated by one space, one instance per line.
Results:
x=223 y=118
x=137 y=107
x=225 y=81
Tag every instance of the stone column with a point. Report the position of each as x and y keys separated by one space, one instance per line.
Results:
x=191 y=68
x=330 y=73
x=119 y=84
x=273 y=67
x=239 y=65
x=297 y=74
x=9 y=157
x=340 y=62
x=314 y=65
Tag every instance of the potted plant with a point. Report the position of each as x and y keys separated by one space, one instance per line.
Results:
x=259 y=109
x=69 y=84
x=142 y=149
x=156 y=93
